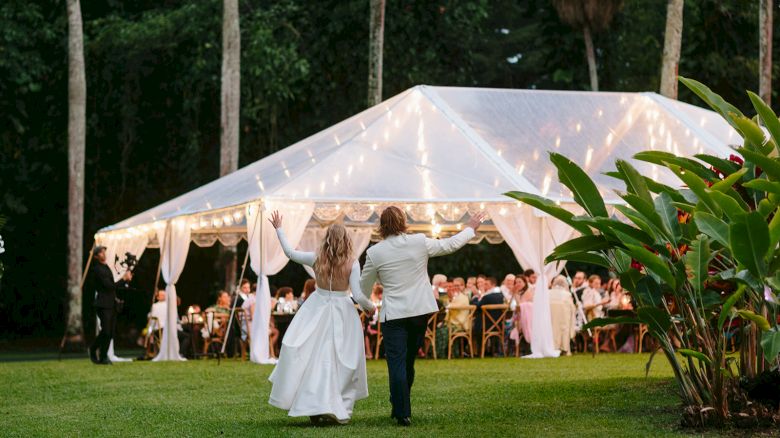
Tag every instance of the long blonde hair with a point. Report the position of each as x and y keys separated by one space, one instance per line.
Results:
x=335 y=254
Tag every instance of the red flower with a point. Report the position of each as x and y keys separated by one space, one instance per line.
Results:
x=736 y=159
x=636 y=265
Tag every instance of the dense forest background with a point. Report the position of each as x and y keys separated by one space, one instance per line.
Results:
x=153 y=109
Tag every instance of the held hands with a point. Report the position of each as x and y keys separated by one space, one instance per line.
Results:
x=276 y=219
x=476 y=220
x=370 y=313
x=128 y=276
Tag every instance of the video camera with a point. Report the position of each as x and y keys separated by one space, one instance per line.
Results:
x=128 y=264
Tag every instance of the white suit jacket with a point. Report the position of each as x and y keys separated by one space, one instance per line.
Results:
x=400 y=264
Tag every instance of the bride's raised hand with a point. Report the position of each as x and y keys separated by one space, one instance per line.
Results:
x=276 y=219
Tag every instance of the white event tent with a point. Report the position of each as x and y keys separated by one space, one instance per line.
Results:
x=439 y=152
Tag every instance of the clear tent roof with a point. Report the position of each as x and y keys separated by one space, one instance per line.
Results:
x=447 y=144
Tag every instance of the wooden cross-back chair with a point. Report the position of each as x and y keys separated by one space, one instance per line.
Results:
x=244 y=322
x=216 y=326
x=493 y=327
x=153 y=339
x=455 y=331
x=430 y=334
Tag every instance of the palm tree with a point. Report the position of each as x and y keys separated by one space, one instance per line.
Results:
x=375 y=47
x=230 y=112
x=77 y=98
x=672 y=43
x=765 y=51
x=589 y=16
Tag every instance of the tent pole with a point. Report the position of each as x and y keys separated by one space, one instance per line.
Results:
x=243 y=271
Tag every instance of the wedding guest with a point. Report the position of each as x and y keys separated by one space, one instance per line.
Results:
x=372 y=329
x=562 y=314
x=592 y=301
x=286 y=302
x=493 y=295
x=471 y=286
x=160 y=311
x=222 y=306
x=578 y=284
x=437 y=284
x=459 y=298
x=519 y=289
x=481 y=287
x=530 y=274
x=248 y=306
x=507 y=286
x=308 y=288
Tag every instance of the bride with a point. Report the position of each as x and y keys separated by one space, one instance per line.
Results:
x=321 y=370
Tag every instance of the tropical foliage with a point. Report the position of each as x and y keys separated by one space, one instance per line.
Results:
x=701 y=261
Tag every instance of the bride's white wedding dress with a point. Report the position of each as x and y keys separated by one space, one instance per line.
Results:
x=322 y=365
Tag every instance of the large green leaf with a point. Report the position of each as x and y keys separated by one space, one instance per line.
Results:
x=758 y=320
x=770 y=343
x=697 y=262
x=653 y=263
x=725 y=109
x=601 y=322
x=731 y=207
x=697 y=186
x=749 y=242
x=582 y=257
x=635 y=182
x=667 y=158
x=580 y=244
x=550 y=208
x=751 y=132
x=774 y=230
x=648 y=292
x=658 y=321
x=725 y=312
x=713 y=227
x=768 y=117
x=724 y=166
x=615 y=226
x=695 y=354
x=668 y=215
x=585 y=192
x=763 y=185
x=727 y=182
x=770 y=166
x=657 y=187
x=637 y=220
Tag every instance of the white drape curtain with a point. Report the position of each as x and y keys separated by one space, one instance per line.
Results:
x=262 y=239
x=312 y=238
x=532 y=237
x=174 y=241
x=117 y=244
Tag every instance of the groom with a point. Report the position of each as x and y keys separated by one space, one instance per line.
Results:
x=400 y=263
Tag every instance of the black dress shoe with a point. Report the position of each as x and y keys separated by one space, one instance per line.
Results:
x=405 y=421
x=93 y=355
x=105 y=361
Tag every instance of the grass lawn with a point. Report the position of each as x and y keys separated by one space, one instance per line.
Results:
x=581 y=395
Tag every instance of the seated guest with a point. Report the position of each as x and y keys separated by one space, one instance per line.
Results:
x=437 y=283
x=371 y=328
x=520 y=288
x=160 y=311
x=216 y=314
x=531 y=276
x=248 y=306
x=459 y=298
x=592 y=302
x=285 y=299
x=481 y=287
x=562 y=314
x=507 y=285
x=493 y=295
x=471 y=286
x=308 y=288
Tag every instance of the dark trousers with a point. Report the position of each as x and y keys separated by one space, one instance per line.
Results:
x=107 y=325
x=402 y=338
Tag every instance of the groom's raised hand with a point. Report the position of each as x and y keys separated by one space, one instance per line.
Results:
x=476 y=220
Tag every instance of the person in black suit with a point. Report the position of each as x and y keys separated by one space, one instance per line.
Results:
x=105 y=304
x=492 y=296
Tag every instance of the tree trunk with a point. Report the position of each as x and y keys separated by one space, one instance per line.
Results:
x=672 y=43
x=231 y=113
x=77 y=97
x=375 y=47
x=591 y=54
x=765 y=51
